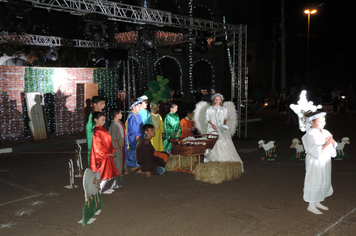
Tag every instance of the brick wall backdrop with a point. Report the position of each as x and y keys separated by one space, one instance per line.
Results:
x=69 y=96
x=11 y=87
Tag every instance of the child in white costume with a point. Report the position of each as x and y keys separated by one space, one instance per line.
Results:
x=222 y=118
x=216 y=114
x=320 y=147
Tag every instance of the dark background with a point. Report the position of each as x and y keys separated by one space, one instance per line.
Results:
x=331 y=49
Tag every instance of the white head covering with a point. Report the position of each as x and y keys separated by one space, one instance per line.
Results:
x=135 y=104
x=143 y=98
x=215 y=95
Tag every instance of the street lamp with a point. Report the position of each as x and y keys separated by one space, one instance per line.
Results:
x=308 y=12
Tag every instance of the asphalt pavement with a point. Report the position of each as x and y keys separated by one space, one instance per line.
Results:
x=266 y=200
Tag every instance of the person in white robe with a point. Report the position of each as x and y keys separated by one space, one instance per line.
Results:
x=216 y=114
x=319 y=148
x=219 y=118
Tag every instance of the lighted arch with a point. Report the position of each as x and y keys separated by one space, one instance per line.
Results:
x=179 y=67
x=212 y=75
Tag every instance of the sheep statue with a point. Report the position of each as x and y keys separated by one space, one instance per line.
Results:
x=269 y=149
x=341 y=145
x=298 y=148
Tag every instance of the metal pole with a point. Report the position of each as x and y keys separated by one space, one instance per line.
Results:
x=283 y=48
x=307 y=72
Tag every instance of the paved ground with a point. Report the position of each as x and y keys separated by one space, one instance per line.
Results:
x=265 y=200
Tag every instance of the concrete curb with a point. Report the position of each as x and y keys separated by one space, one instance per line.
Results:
x=42 y=146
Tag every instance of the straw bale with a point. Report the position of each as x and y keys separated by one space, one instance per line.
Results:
x=218 y=172
x=173 y=162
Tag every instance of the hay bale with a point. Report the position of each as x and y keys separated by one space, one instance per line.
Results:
x=217 y=172
x=184 y=162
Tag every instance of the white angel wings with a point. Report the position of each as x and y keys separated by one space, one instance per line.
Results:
x=200 y=117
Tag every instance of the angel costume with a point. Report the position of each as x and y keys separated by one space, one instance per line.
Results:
x=102 y=162
x=217 y=115
x=224 y=149
x=171 y=125
x=157 y=141
x=317 y=183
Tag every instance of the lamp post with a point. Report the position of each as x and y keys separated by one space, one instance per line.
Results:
x=308 y=12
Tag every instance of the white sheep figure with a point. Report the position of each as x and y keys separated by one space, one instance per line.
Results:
x=268 y=147
x=341 y=145
x=298 y=147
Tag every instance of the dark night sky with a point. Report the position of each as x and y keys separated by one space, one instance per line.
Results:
x=332 y=36
x=331 y=42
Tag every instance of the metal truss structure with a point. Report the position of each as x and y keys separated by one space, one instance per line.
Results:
x=239 y=78
x=140 y=15
x=52 y=41
x=127 y=13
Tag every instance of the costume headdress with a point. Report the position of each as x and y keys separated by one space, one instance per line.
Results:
x=215 y=95
x=135 y=104
x=143 y=98
x=303 y=107
x=154 y=105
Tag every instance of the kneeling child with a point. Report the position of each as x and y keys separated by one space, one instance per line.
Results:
x=146 y=158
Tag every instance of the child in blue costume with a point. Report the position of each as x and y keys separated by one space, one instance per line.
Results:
x=134 y=134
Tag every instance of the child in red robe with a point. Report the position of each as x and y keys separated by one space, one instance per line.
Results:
x=101 y=155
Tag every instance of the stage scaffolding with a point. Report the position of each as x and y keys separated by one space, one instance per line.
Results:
x=237 y=34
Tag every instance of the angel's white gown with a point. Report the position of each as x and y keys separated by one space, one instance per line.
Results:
x=217 y=115
x=224 y=149
x=317 y=183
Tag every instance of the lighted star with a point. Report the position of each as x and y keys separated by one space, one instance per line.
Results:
x=8 y=225
x=37 y=203
x=51 y=194
x=302 y=107
x=24 y=212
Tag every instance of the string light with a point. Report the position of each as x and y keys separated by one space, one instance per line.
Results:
x=179 y=65
x=190 y=49
x=63 y=90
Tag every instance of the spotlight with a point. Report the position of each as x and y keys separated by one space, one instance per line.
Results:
x=178 y=49
x=95 y=30
x=228 y=44
x=149 y=51
x=95 y=27
x=18 y=18
x=147 y=38
x=52 y=54
x=218 y=42
x=201 y=45
x=93 y=56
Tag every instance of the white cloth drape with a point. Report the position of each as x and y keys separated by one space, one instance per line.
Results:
x=317 y=183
